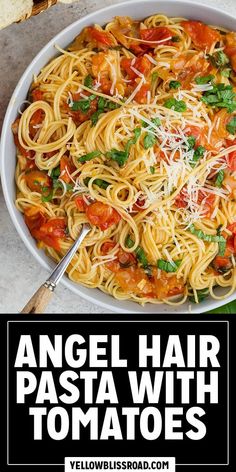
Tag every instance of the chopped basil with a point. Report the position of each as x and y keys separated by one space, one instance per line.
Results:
x=141 y=256
x=121 y=156
x=210 y=238
x=88 y=81
x=198 y=153
x=49 y=196
x=191 y=142
x=231 y=125
x=221 y=96
x=152 y=170
x=201 y=295
x=89 y=156
x=220 y=178
x=99 y=182
x=219 y=59
x=103 y=106
x=149 y=140
x=168 y=266
x=83 y=104
x=55 y=172
x=204 y=80
x=177 y=105
x=156 y=122
x=174 y=84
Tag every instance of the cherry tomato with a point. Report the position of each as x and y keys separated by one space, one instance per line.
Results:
x=49 y=232
x=37 y=180
x=165 y=286
x=161 y=34
x=102 y=38
x=66 y=164
x=34 y=218
x=80 y=203
x=134 y=280
x=142 y=64
x=202 y=35
x=102 y=215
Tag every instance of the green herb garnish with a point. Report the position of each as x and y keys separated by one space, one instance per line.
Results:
x=219 y=59
x=88 y=81
x=99 y=182
x=175 y=39
x=231 y=125
x=198 y=153
x=204 y=80
x=174 y=84
x=103 y=106
x=83 y=105
x=220 y=178
x=210 y=238
x=177 y=105
x=89 y=156
x=152 y=170
x=155 y=121
x=121 y=156
x=149 y=140
x=141 y=256
x=191 y=142
x=220 y=96
x=168 y=266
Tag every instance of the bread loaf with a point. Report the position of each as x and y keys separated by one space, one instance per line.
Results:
x=12 y=11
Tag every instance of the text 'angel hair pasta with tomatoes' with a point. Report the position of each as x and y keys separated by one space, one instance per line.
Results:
x=133 y=129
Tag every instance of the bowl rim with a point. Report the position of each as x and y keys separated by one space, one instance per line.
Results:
x=72 y=286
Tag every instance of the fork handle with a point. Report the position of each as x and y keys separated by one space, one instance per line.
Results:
x=39 y=300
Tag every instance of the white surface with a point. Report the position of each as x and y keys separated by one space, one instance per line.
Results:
x=21 y=274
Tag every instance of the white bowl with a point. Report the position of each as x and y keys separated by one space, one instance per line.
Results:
x=137 y=9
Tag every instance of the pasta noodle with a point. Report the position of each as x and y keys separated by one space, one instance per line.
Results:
x=132 y=129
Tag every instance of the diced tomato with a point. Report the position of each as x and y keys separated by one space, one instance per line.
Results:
x=134 y=280
x=36 y=94
x=161 y=34
x=232 y=228
x=230 y=183
x=107 y=247
x=142 y=64
x=166 y=286
x=222 y=264
x=66 y=164
x=141 y=96
x=102 y=38
x=231 y=157
x=102 y=215
x=80 y=203
x=230 y=49
x=202 y=35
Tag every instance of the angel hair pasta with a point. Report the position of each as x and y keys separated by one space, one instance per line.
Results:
x=132 y=129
